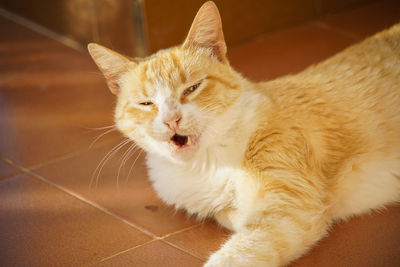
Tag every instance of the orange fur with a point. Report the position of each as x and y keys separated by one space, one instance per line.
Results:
x=276 y=162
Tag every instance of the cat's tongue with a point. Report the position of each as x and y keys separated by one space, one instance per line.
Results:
x=180 y=141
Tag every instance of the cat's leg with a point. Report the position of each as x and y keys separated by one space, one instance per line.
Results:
x=285 y=223
x=246 y=248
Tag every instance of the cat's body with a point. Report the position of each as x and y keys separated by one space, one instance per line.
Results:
x=276 y=162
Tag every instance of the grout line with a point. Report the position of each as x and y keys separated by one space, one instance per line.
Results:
x=42 y=30
x=57 y=159
x=159 y=238
x=68 y=156
x=12 y=164
x=93 y=204
x=183 y=250
x=182 y=230
x=51 y=161
x=124 y=251
x=156 y=238
x=10 y=175
x=162 y=239
x=5 y=159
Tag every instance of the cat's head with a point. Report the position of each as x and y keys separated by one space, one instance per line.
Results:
x=173 y=102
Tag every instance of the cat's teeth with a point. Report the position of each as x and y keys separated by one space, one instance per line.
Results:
x=175 y=146
x=189 y=141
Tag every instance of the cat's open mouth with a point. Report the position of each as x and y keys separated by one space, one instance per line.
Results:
x=181 y=141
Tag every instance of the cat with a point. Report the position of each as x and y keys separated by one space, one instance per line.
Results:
x=275 y=162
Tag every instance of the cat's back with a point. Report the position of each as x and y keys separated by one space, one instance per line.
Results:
x=339 y=120
x=367 y=72
x=356 y=90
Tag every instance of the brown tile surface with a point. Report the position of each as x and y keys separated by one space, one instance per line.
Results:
x=154 y=254
x=366 y=20
x=135 y=200
x=369 y=240
x=50 y=96
x=42 y=226
x=201 y=240
x=287 y=51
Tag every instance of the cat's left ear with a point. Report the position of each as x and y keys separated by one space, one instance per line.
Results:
x=206 y=31
x=111 y=64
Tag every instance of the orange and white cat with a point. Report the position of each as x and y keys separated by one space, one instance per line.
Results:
x=276 y=162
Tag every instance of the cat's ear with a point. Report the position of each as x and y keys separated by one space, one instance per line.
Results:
x=206 y=31
x=111 y=64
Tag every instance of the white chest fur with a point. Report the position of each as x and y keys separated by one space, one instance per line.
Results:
x=201 y=192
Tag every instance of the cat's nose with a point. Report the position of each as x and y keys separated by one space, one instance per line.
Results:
x=173 y=122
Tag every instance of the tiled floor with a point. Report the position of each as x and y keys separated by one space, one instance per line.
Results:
x=59 y=206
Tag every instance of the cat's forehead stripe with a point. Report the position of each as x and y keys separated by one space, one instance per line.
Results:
x=143 y=80
x=178 y=67
x=166 y=69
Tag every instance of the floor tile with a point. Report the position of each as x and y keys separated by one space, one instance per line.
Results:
x=287 y=51
x=154 y=254
x=43 y=226
x=6 y=169
x=367 y=19
x=50 y=96
x=209 y=238
x=134 y=200
x=369 y=240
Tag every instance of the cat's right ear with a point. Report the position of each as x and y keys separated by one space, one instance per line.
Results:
x=111 y=64
x=206 y=31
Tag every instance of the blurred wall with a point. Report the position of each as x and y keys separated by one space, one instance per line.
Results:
x=140 y=27
x=168 y=21
x=109 y=22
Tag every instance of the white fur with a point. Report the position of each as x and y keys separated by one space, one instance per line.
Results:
x=371 y=185
x=209 y=181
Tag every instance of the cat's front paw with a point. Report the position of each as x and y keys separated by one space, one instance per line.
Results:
x=224 y=258
x=217 y=260
x=220 y=259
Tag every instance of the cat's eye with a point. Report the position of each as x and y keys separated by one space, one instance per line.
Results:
x=191 y=89
x=148 y=103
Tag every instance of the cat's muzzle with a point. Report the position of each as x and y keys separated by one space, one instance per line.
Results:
x=181 y=141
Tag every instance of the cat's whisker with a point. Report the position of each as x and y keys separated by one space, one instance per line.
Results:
x=211 y=108
x=108 y=158
x=134 y=162
x=101 y=161
x=104 y=160
x=122 y=163
x=136 y=149
x=207 y=107
x=125 y=157
x=211 y=132
x=101 y=128
x=97 y=73
x=100 y=136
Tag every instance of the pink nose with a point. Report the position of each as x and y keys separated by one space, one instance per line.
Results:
x=173 y=123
